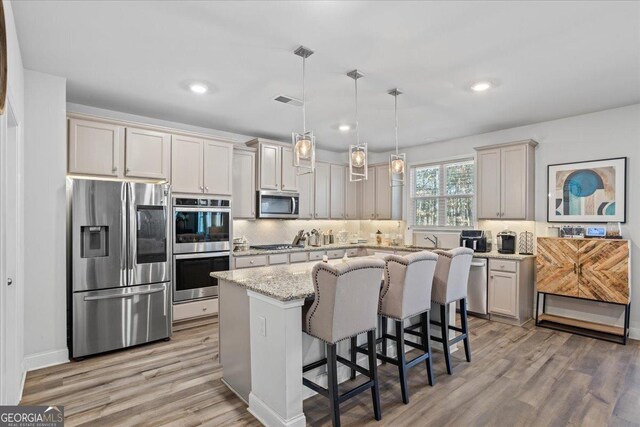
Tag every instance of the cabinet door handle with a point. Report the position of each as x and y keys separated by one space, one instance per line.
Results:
x=9 y=281
x=127 y=170
x=492 y=276
x=497 y=213
x=114 y=169
x=201 y=188
x=575 y=268
x=206 y=188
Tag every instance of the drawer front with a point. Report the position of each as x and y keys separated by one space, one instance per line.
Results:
x=352 y=253
x=190 y=310
x=335 y=254
x=315 y=255
x=278 y=259
x=251 y=261
x=503 y=265
x=298 y=257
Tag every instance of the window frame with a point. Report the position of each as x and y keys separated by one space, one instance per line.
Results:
x=441 y=197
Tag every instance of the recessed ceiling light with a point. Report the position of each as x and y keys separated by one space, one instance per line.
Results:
x=198 y=88
x=344 y=128
x=480 y=86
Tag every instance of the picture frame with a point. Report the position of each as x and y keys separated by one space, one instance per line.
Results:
x=591 y=191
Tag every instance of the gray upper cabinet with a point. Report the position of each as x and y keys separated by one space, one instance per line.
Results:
x=244 y=184
x=306 y=184
x=201 y=166
x=275 y=166
x=352 y=197
x=505 y=181
x=147 y=154
x=338 y=187
x=383 y=192
x=95 y=148
x=369 y=195
x=288 y=173
x=218 y=175
x=322 y=191
x=186 y=164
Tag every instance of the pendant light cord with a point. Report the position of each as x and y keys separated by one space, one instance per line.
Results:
x=396 y=109
x=357 y=125
x=304 y=104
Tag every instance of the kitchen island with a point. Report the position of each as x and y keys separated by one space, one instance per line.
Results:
x=262 y=346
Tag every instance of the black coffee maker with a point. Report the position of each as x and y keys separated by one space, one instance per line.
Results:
x=507 y=242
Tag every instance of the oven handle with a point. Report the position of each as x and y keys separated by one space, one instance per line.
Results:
x=225 y=209
x=293 y=204
x=203 y=255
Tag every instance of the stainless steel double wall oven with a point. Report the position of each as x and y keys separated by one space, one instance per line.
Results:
x=201 y=244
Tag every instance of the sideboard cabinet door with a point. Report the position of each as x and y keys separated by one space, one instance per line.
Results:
x=557 y=266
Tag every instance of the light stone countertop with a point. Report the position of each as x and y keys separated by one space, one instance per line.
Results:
x=251 y=252
x=281 y=282
x=288 y=282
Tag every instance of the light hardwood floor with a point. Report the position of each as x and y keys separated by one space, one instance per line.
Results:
x=518 y=376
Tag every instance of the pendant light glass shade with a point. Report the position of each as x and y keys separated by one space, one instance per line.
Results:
x=397 y=161
x=358 y=155
x=304 y=144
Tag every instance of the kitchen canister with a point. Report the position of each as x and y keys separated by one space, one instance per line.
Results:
x=525 y=247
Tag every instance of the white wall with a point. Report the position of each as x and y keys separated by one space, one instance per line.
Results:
x=45 y=220
x=10 y=388
x=605 y=134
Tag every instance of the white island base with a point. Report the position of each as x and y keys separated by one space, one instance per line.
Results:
x=263 y=349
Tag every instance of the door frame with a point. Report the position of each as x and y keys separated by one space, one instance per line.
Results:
x=11 y=127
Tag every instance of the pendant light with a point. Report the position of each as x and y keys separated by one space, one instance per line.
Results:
x=304 y=144
x=358 y=162
x=397 y=161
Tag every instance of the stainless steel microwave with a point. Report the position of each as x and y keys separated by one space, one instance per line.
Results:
x=277 y=204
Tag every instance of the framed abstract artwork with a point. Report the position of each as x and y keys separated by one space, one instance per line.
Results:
x=591 y=191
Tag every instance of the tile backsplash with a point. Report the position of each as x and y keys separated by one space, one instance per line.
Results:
x=272 y=231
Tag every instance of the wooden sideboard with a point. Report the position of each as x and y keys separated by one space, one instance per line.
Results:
x=589 y=269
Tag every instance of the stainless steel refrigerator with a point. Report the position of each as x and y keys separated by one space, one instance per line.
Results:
x=120 y=265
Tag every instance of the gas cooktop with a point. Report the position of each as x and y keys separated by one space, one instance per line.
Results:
x=275 y=247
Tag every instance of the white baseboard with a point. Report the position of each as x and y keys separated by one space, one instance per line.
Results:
x=45 y=359
x=634 y=333
x=263 y=413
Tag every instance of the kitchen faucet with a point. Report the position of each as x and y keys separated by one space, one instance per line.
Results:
x=434 y=240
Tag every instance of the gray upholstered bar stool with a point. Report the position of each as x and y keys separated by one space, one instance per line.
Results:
x=345 y=306
x=450 y=285
x=406 y=292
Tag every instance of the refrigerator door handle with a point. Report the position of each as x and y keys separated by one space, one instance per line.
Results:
x=133 y=228
x=124 y=234
x=127 y=295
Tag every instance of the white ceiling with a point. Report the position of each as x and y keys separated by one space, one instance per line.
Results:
x=549 y=59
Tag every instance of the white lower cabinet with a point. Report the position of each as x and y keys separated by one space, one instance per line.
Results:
x=278 y=259
x=335 y=254
x=298 y=257
x=503 y=293
x=510 y=293
x=251 y=261
x=189 y=310
x=316 y=255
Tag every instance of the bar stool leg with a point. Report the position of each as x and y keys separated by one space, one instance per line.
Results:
x=373 y=370
x=332 y=384
x=354 y=355
x=444 y=330
x=384 y=340
x=402 y=363
x=465 y=328
x=426 y=342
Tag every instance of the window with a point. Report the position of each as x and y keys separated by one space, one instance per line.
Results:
x=442 y=194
